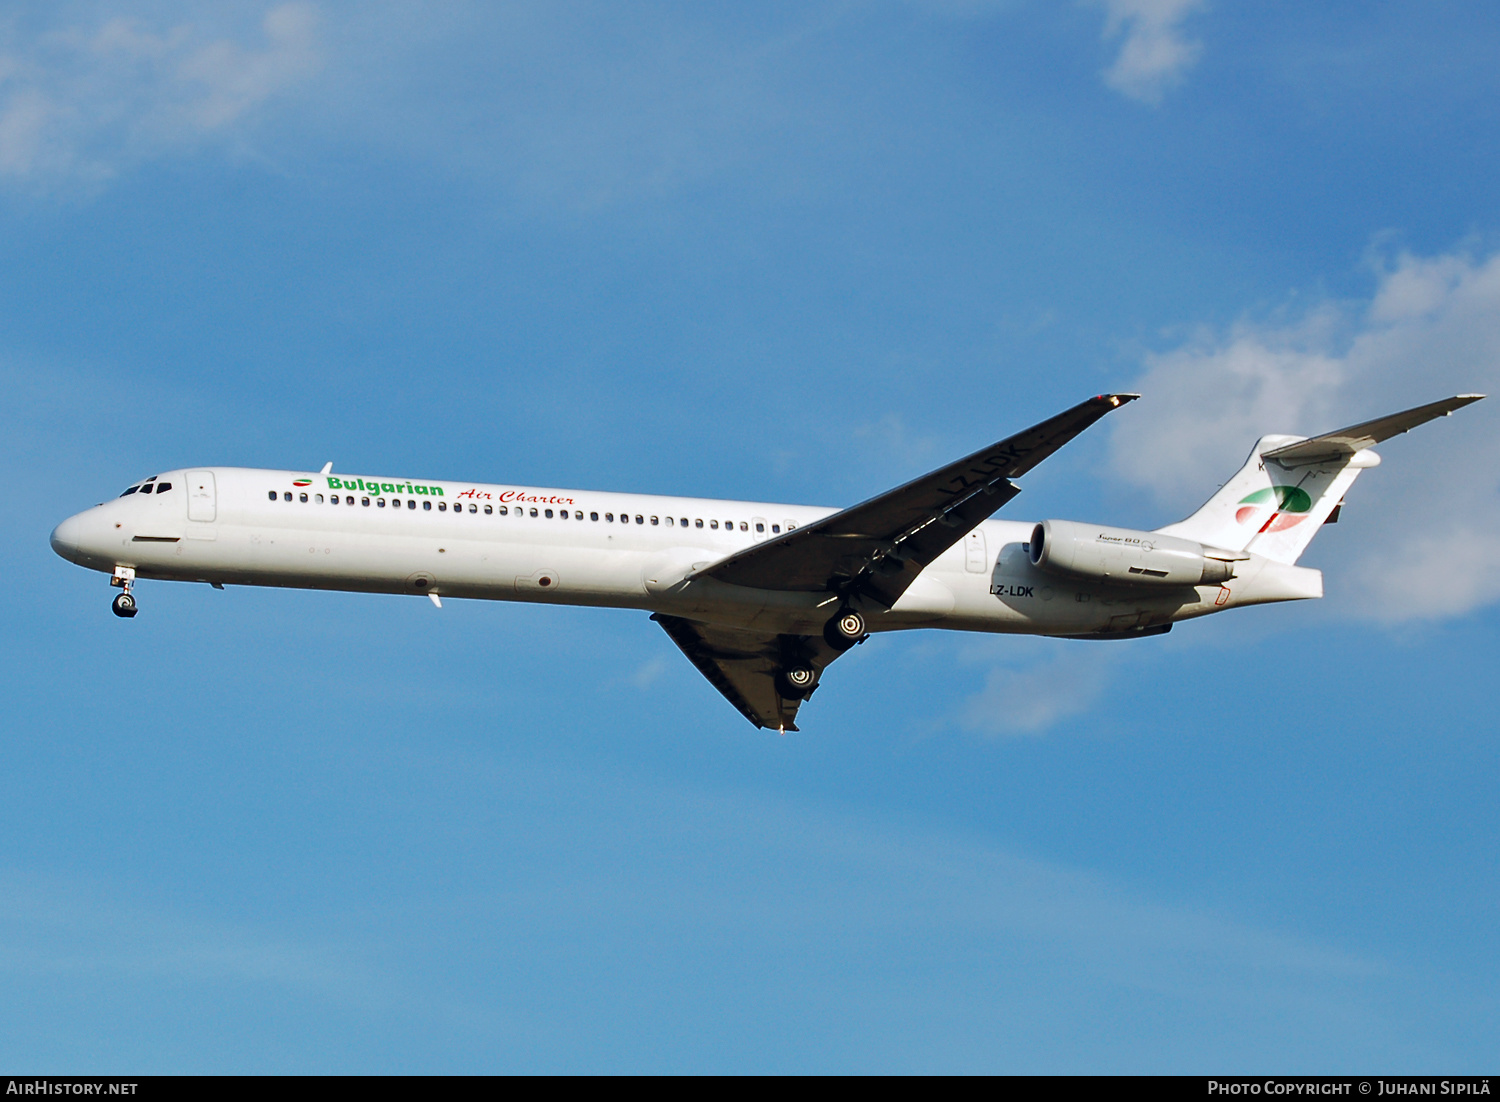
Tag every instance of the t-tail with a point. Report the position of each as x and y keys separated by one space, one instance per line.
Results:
x=1291 y=485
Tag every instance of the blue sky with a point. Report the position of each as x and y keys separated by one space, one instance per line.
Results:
x=790 y=252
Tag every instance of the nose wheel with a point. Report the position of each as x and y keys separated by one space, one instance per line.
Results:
x=124 y=604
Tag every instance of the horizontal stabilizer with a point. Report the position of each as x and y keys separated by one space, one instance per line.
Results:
x=1333 y=446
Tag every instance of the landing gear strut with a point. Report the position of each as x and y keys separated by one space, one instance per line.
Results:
x=844 y=630
x=796 y=681
x=124 y=604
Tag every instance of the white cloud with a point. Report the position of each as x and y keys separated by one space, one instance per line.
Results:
x=1421 y=536
x=1155 y=53
x=1032 y=700
x=56 y=928
x=649 y=672
x=78 y=105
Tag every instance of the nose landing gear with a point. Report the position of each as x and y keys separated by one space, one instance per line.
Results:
x=124 y=604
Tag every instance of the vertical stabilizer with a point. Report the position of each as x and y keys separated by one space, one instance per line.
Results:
x=1290 y=484
x=1271 y=509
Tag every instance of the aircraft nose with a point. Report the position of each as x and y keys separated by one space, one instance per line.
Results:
x=66 y=536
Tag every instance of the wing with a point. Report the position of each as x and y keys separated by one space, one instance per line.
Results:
x=877 y=549
x=743 y=664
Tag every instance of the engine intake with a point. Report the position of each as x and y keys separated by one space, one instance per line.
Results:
x=1123 y=556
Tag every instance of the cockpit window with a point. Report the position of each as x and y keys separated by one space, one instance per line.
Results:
x=130 y=491
x=163 y=487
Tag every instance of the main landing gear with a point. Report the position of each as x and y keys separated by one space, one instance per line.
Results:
x=124 y=604
x=844 y=630
x=796 y=681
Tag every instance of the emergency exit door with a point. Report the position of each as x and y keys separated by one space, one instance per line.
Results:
x=976 y=556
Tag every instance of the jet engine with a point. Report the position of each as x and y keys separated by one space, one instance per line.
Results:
x=1123 y=556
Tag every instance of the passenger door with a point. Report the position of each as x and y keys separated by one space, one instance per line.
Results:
x=202 y=498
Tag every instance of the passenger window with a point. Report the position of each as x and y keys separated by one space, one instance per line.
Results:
x=411 y=503
x=350 y=500
x=790 y=526
x=504 y=511
x=287 y=495
x=698 y=523
x=653 y=520
x=488 y=510
x=578 y=514
x=775 y=528
x=442 y=506
x=318 y=498
x=473 y=508
x=593 y=516
x=333 y=499
x=132 y=490
x=533 y=510
x=549 y=514
x=427 y=506
x=713 y=524
x=609 y=517
x=396 y=503
x=302 y=497
x=380 y=501
x=669 y=521
x=760 y=526
x=364 y=501
x=744 y=526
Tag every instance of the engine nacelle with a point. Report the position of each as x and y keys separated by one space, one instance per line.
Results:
x=1123 y=556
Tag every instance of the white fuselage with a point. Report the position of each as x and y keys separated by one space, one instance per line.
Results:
x=237 y=526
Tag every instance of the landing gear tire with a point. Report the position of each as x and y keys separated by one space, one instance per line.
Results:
x=796 y=682
x=124 y=605
x=844 y=630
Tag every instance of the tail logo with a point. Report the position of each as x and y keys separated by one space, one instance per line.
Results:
x=1289 y=504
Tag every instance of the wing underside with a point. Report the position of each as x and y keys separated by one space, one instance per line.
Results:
x=743 y=665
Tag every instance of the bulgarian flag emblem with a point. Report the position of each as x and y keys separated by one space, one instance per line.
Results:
x=302 y=482
x=1275 y=508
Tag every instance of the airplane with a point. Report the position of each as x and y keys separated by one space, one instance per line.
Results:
x=760 y=597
